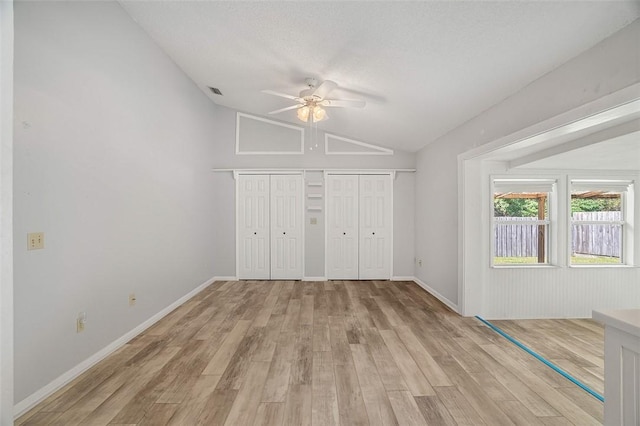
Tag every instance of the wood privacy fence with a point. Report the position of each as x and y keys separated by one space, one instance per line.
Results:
x=512 y=239
x=601 y=240
x=515 y=240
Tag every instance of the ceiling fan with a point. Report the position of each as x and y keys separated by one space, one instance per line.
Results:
x=312 y=101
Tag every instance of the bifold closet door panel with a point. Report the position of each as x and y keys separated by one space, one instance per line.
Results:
x=375 y=227
x=342 y=227
x=286 y=226
x=253 y=224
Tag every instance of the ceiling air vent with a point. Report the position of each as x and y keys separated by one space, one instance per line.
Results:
x=215 y=90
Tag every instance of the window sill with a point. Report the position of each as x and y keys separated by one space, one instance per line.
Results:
x=525 y=266
x=604 y=265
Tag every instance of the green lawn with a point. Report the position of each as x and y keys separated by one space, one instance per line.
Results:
x=514 y=260
x=575 y=260
x=595 y=260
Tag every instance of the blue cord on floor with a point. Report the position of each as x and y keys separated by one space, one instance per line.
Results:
x=543 y=360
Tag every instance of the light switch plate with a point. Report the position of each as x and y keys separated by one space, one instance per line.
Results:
x=80 y=322
x=35 y=241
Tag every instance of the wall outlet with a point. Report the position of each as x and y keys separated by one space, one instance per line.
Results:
x=132 y=299
x=80 y=322
x=313 y=221
x=419 y=262
x=35 y=241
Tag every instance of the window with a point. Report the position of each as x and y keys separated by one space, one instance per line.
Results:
x=521 y=221
x=599 y=210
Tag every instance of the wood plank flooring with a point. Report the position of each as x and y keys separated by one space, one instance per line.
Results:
x=333 y=353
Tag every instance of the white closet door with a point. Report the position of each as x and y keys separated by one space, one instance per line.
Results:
x=253 y=227
x=286 y=227
x=375 y=227
x=342 y=227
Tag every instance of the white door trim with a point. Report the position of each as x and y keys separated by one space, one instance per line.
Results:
x=6 y=213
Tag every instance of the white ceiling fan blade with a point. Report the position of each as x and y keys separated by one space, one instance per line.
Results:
x=282 y=95
x=324 y=89
x=285 y=109
x=349 y=103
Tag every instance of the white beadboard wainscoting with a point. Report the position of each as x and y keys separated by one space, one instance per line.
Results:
x=559 y=292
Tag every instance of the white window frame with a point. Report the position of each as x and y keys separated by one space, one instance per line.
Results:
x=523 y=185
x=625 y=188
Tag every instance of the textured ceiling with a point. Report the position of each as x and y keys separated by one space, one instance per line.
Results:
x=424 y=68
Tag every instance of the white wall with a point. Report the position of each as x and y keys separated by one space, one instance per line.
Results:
x=609 y=66
x=113 y=150
x=6 y=211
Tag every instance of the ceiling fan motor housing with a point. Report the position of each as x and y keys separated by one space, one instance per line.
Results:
x=308 y=95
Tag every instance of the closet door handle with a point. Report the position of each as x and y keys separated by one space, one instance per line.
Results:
x=344 y=233
x=284 y=233
x=373 y=233
x=255 y=233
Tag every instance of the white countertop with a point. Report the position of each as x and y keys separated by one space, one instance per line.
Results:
x=627 y=320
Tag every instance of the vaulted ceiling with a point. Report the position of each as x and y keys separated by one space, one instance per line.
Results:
x=423 y=68
x=619 y=153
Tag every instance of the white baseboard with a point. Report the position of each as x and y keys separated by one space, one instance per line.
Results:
x=435 y=294
x=29 y=402
x=236 y=279
x=401 y=278
x=224 y=279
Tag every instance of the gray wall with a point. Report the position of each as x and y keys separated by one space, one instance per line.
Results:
x=607 y=67
x=404 y=225
x=113 y=151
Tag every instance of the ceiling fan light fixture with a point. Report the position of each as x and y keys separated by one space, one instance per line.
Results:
x=315 y=112
x=303 y=113
x=319 y=114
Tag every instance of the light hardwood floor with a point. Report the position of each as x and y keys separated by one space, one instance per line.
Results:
x=329 y=353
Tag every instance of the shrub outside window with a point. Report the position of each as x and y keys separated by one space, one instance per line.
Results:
x=598 y=225
x=521 y=221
